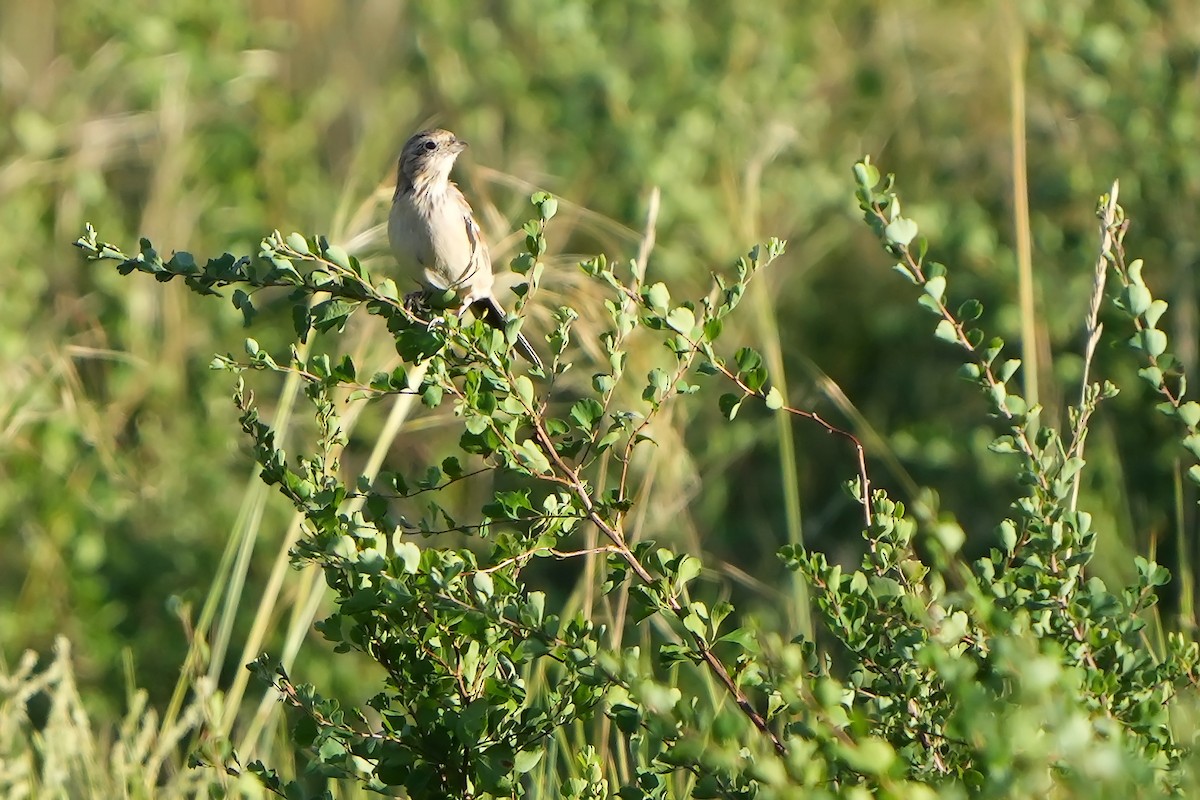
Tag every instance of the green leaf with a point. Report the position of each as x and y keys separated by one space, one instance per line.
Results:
x=748 y=359
x=338 y=256
x=524 y=388
x=603 y=383
x=298 y=243
x=1189 y=414
x=866 y=175
x=1193 y=474
x=935 y=287
x=387 y=288
x=696 y=625
x=642 y=602
x=900 y=231
x=1137 y=299
x=331 y=750
x=658 y=383
x=755 y=379
x=657 y=298
x=586 y=413
x=902 y=269
x=998 y=394
x=1155 y=312
x=594 y=266
x=712 y=329
x=946 y=331
x=522 y=263
x=345 y=370
x=409 y=556
x=546 y=204
x=689 y=567
x=432 y=396
x=452 y=467
x=857 y=583
x=1191 y=443
x=1151 y=573
x=951 y=535
x=242 y=302
x=970 y=371
x=1152 y=375
x=729 y=405
x=681 y=319
x=531 y=456
x=930 y=304
x=1008 y=535
x=527 y=759
x=483 y=584
x=331 y=314
x=301 y=321
x=970 y=310
x=1150 y=341
x=608 y=440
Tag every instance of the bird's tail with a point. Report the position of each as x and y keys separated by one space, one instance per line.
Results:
x=489 y=309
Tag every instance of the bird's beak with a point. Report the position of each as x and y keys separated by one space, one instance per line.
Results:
x=459 y=145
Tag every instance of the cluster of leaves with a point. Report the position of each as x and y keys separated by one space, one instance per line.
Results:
x=455 y=628
x=945 y=661
x=941 y=656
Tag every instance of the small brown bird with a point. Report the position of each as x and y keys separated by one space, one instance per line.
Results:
x=431 y=226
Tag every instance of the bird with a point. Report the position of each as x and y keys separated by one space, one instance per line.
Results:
x=431 y=226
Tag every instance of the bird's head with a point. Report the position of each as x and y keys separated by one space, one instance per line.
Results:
x=427 y=159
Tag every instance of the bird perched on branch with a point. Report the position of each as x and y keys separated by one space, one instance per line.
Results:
x=431 y=226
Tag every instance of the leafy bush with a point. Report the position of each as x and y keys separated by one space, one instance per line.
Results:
x=1017 y=675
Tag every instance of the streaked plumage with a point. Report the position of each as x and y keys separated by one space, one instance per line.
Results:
x=432 y=228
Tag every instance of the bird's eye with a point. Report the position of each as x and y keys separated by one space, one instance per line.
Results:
x=430 y=146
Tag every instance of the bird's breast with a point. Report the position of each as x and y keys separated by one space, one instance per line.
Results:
x=429 y=236
x=408 y=235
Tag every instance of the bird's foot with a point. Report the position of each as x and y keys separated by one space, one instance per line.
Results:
x=417 y=304
x=416 y=301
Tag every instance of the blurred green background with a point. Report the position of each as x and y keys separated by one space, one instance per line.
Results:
x=204 y=125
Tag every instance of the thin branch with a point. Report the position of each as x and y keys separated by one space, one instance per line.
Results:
x=617 y=537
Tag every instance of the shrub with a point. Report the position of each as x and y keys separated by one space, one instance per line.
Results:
x=1013 y=676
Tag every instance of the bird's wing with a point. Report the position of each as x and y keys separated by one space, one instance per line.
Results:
x=477 y=277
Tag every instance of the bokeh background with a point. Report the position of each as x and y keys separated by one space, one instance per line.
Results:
x=125 y=488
